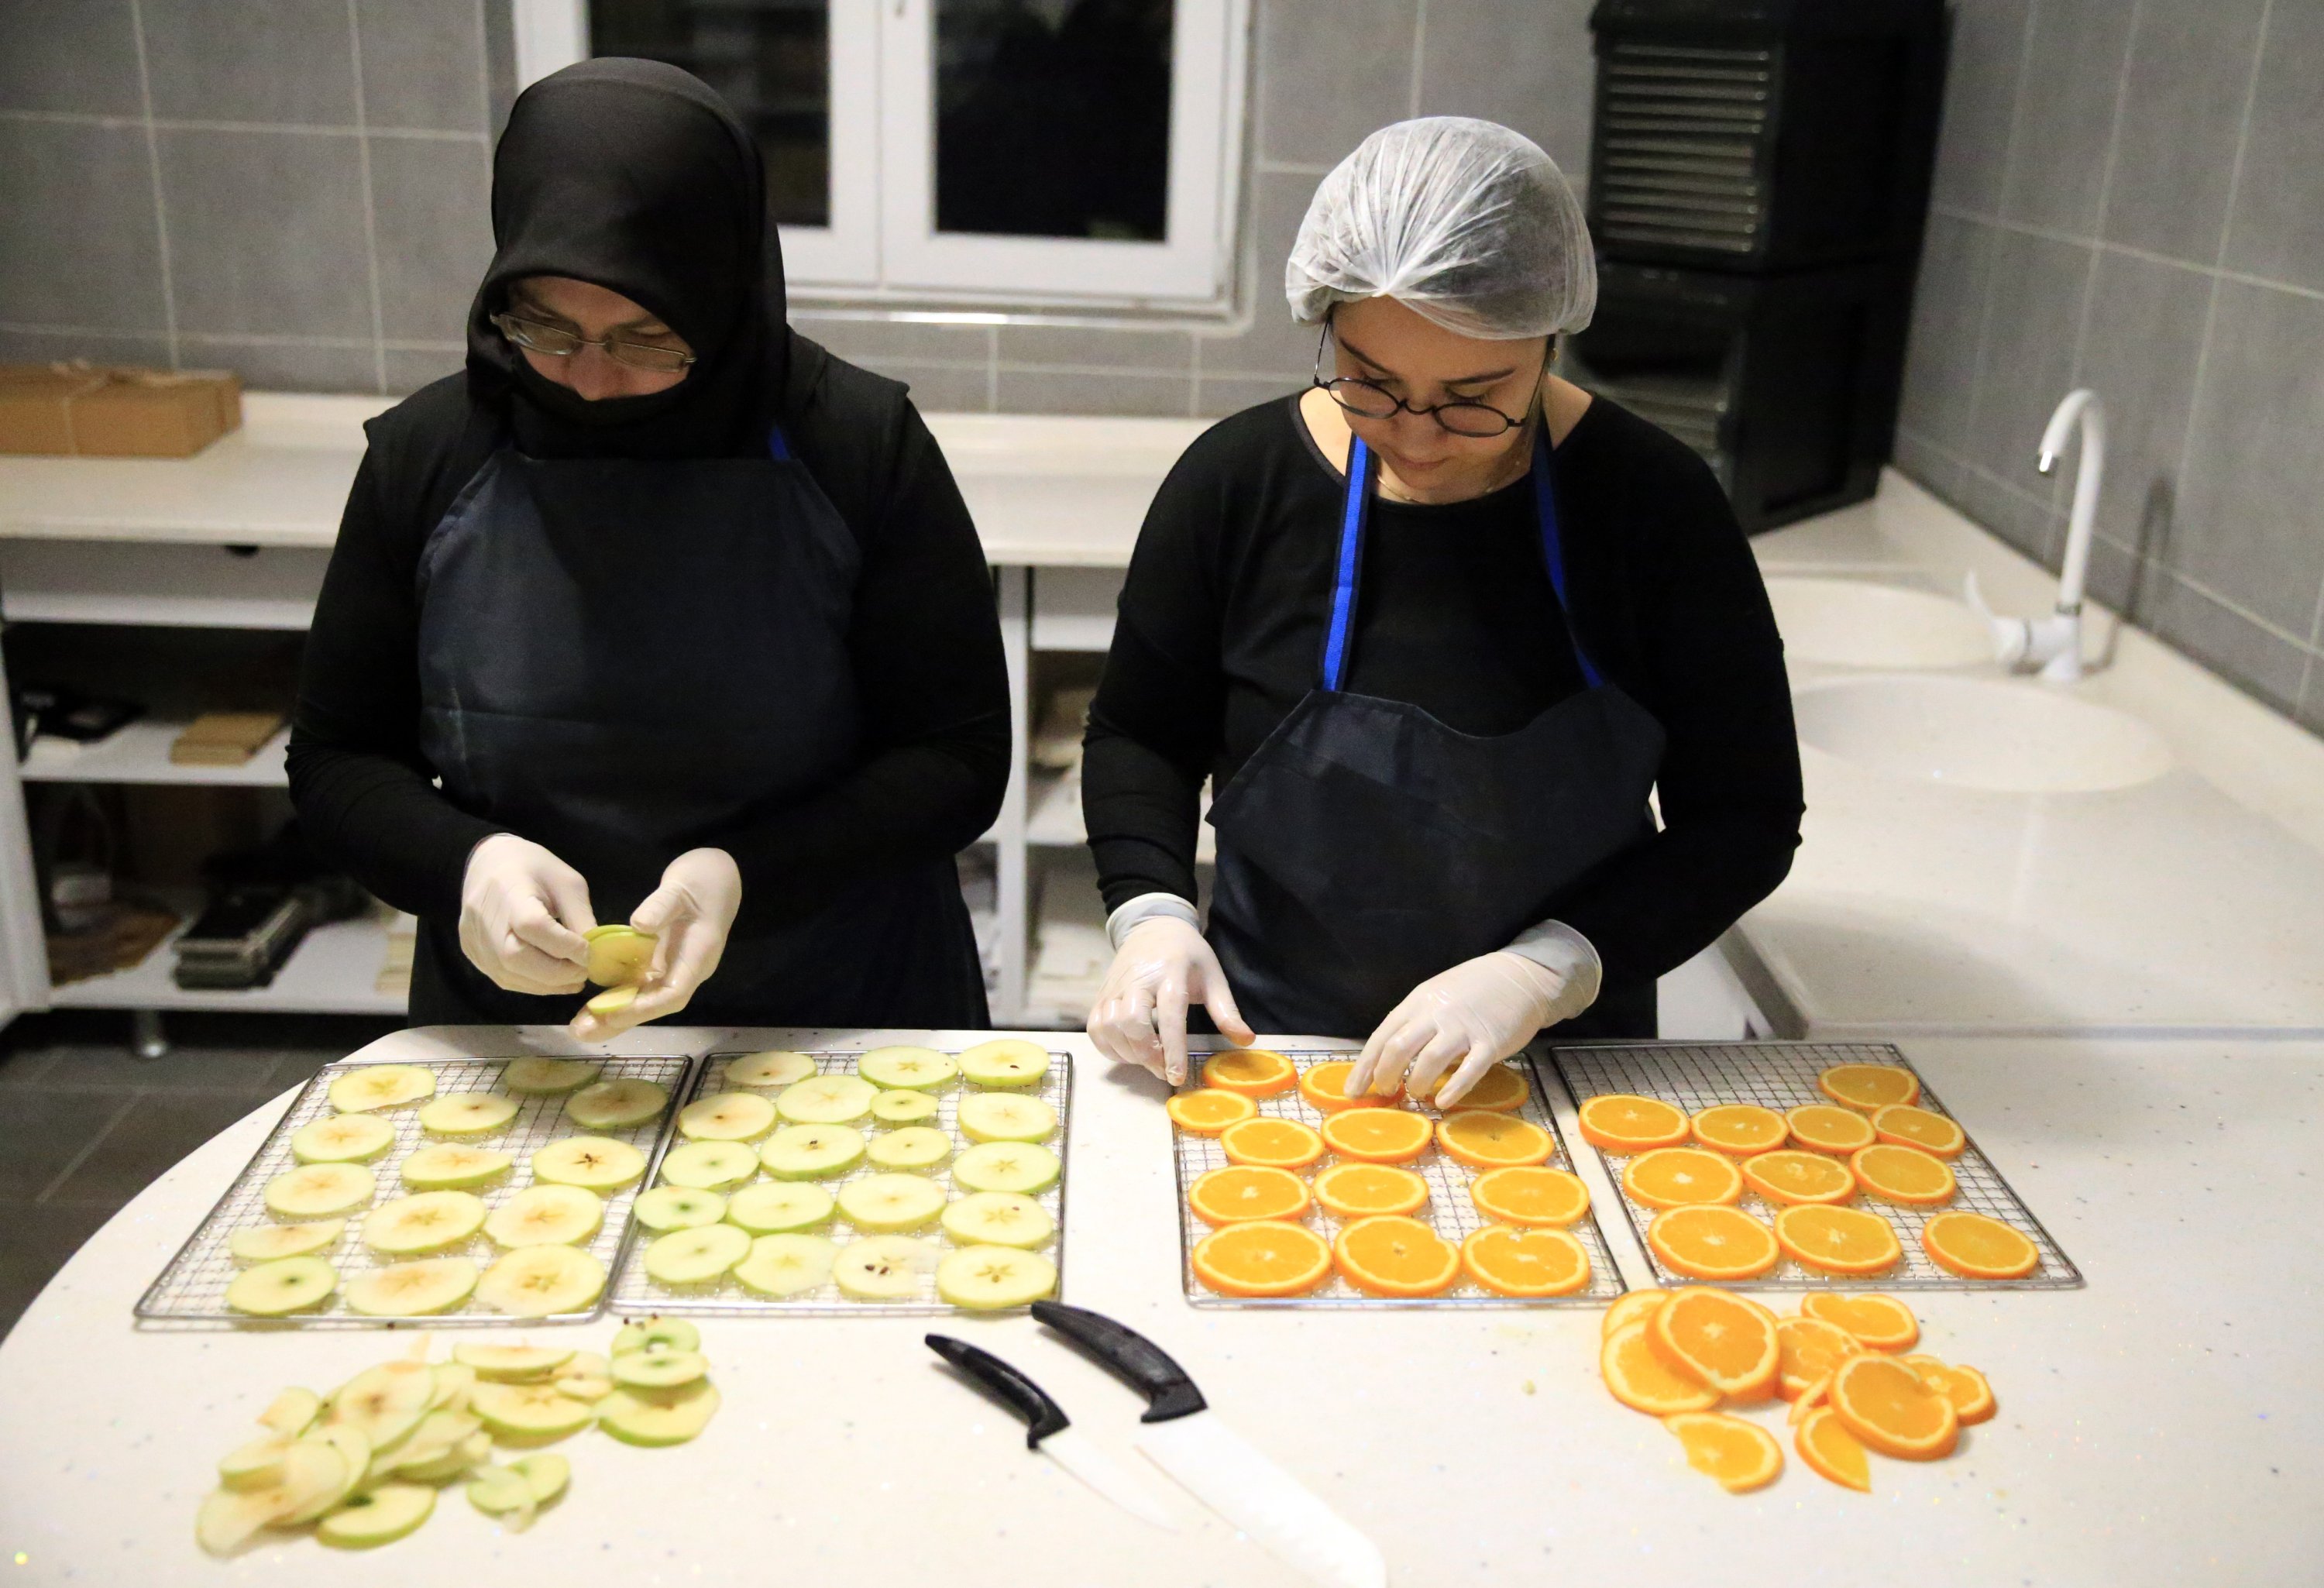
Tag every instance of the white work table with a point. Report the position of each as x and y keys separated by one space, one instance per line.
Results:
x=2157 y=1426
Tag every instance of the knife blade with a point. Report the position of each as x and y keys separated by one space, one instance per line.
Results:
x=1047 y=1431
x=1183 y=1436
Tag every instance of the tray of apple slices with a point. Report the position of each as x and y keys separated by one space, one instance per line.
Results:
x=897 y=1179
x=455 y=1190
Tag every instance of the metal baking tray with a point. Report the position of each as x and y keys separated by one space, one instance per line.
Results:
x=1448 y=1210
x=192 y=1287
x=1782 y=1076
x=634 y=1292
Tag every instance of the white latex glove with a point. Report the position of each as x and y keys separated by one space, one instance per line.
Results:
x=522 y=911
x=1473 y=1015
x=1141 y=1015
x=690 y=913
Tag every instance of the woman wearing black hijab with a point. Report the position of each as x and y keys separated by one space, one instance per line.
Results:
x=659 y=613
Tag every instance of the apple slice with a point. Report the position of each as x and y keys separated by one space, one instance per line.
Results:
x=1006 y=1116
x=255 y=1466
x=999 y=1218
x=546 y=1215
x=1006 y=1061
x=904 y=1108
x=587 y=1377
x=826 y=1100
x=539 y=1412
x=412 y=1289
x=383 y=1403
x=658 y=1334
x=882 y=1268
x=544 y=1078
x=780 y=1208
x=810 y=1152
x=988 y=1279
x=677 y=1207
x=786 y=1265
x=693 y=1257
x=914 y=1147
x=658 y=1370
x=456 y=1462
x=433 y=1220
x=708 y=1166
x=512 y=1364
x=371 y=1086
x=774 y=1068
x=377 y=1516
x=616 y=1105
x=292 y=1413
x=726 y=1116
x=286 y=1285
x=453 y=1381
x=892 y=1203
x=466 y=1114
x=440 y=1435
x=354 y=1457
x=593 y=1163
x=319 y=1190
x=921 y=1069
x=539 y=1281
x=449 y=1167
x=344 y=1137
x=267 y=1243
x=230 y=1517
x=1022 y=1166
x=612 y=1001
x=659 y=1417
x=619 y=957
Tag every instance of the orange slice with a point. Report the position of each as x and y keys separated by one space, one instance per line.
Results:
x=1838 y=1240
x=1810 y=1397
x=1832 y=1451
x=1908 y=1126
x=1377 y=1135
x=1282 y=1144
x=1389 y=1255
x=1531 y=1196
x=1499 y=1090
x=1264 y=1259
x=1255 y=1072
x=1207 y=1110
x=1713 y=1243
x=1739 y=1128
x=1485 y=1141
x=1824 y=1126
x=1681 y=1177
x=1326 y=1086
x=1644 y=1381
x=1812 y=1348
x=1634 y=1307
x=1246 y=1192
x=1870 y=1086
x=1976 y=1247
x=1881 y=1323
x=1718 y=1339
x=1525 y=1262
x=1358 y=1190
x=1789 y=1176
x=1741 y=1456
x=1620 y=1122
x=1902 y=1174
x=1966 y=1388
x=1892 y=1409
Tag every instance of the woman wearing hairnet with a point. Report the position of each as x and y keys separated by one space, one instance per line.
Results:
x=1436 y=628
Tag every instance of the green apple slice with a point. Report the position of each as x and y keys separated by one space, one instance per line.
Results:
x=612 y=1001
x=537 y=1281
x=529 y=1411
x=708 y=1166
x=231 y=1517
x=619 y=957
x=319 y=1190
x=1006 y=1061
x=810 y=1153
x=892 y=1203
x=616 y=1105
x=780 y=1209
x=371 y=1086
x=658 y=1370
x=786 y=1265
x=545 y=1077
x=774 y=1068
x=255 y=1466
x=882 y=1268
x=466 y=1114
x=377 y=1516
x=410 y=1290
x=914 y=1147
x=286 y=1285
x=921 y=1069
x=433 y=1220
x=383 y=1403
x=456 y=1462
x=292 y=1413
x=903 y=1108
x=546 y=1473
x=354 y=1459
x=545 y=1215
x=677 y=1207
x=999 y=1218
x=448 y=1166
x=593 y=1163
x=659 y=1417
x=826 y=1100
x=988 y=1279
x=512 y=1364
x=726 y=1116
x=453 y=1381
x=1006 y=1116
x=440 y=1433
x=658 y=1334
x=344 y=1137
x=693 y=1257
x=1022 y=1166
x=517 y=1492
x=267 y=1243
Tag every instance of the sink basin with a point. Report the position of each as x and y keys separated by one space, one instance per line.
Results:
x=1975 y=734
x=1851 y=624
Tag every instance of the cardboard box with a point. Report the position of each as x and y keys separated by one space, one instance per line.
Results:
x=224 y=738
x=96 y=412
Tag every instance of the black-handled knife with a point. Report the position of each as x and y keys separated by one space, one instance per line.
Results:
x=1048 y=1430
x=1145 y=1366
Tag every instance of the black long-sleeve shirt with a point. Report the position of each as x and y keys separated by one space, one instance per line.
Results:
x=1221 y=629
x=924 y=643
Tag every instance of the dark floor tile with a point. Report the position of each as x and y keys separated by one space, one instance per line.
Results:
x=182 y=1068
x=41 y=1241
x=42 y=1132
x=292 y=1069
x=155 y=1134
x=20 y=1066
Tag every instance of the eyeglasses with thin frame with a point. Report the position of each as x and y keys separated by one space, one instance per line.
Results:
x=556 y=342
x=1477 y=421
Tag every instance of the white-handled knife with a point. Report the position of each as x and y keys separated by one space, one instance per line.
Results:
x=1183 y=1436
x=1047 y=1431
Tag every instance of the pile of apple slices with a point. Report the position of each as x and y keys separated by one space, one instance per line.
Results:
x=364 y=1466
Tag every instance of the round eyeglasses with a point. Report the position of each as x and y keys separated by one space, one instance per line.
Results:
x=556 y=342
x=1478 y=421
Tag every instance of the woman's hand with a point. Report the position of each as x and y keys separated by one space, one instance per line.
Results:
x=522 y=912
x=690 y=914
x=1141 y=1015
x=1473 y=1016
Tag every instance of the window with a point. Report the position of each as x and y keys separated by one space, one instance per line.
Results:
x=1080 y=153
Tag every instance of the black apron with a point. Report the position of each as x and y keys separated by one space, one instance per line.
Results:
x=1365 y=845
x=617 y=658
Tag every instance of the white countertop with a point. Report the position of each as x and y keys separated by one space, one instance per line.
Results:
x=2157 y=1426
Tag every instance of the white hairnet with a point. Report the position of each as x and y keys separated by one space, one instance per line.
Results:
x=1464 y=222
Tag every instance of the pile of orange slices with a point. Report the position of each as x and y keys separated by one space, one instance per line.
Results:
x=1691 y=1356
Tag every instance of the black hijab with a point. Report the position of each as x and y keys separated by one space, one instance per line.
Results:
x=635 y=175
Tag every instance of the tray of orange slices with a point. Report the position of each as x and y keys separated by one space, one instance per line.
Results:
x=1801 y=1166
x=1291 y=1193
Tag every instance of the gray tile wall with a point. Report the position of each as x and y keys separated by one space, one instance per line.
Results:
x=2129 y=196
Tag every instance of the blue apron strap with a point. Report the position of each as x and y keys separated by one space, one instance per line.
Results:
x=1552 y=553
x=1349 y=567
x=778 y=448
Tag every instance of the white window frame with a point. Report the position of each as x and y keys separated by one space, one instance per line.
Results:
x=882 y=246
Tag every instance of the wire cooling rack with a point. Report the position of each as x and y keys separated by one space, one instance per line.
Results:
x=1448 y=1210
x=1782 y=1076
x=634 y=1291
x=192 y=1287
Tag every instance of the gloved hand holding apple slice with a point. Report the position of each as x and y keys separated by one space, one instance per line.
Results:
x=683 y=925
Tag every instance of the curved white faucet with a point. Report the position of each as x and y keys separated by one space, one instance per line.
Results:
x=2054 y=643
